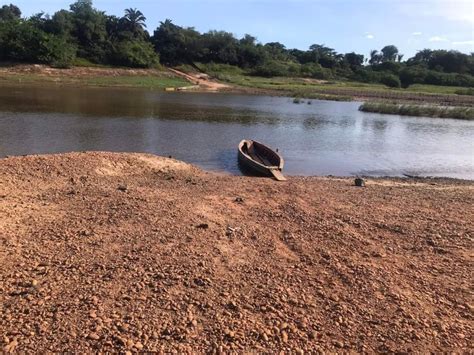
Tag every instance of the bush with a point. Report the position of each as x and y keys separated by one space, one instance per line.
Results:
x=392 y=67
x=412 y=75
x=316 y=71
x=57 y=51
x=390 y=80
x=367 y=76
x=135 y=54
x=421 y=75
x=215 y=69
x=271 y=68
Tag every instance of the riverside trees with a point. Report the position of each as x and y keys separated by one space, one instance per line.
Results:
x=87 y=35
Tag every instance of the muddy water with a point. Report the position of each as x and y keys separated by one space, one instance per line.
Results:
x=320 y=138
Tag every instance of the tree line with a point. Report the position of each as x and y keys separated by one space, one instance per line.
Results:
x=84 y=34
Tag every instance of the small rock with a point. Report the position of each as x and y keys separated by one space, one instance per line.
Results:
x=284 y=337
x=334 y=298
x=239 y=200
x=379 y=254
x=229 y=333
x=359 y=182
x=202 y=226
x=138 y=345
x=93 y=336
x=122 y=188
x=10 y=347
x=338 y=344
x=299 y=351
x=34 y=283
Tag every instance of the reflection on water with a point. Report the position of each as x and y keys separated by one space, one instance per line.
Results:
x=204 y=129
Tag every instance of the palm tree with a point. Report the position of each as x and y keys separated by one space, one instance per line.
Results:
x=135 y=18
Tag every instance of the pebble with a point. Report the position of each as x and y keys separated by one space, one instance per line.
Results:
x=338 y=344
x=138 y=345
x=10 y=347
x=93 y=336
x=284 y=336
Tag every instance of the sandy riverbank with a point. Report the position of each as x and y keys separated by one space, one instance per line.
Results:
x=126 y=252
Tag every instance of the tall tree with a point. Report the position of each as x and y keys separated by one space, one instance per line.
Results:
x=9 y=12
x=134 y=23
x=389 y=53
x=89 y=30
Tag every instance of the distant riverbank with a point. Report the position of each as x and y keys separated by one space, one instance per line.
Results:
x=159 y=79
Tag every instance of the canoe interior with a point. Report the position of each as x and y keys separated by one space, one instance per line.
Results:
x=261 y=154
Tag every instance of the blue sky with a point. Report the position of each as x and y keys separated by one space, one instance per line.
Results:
x=344 y=25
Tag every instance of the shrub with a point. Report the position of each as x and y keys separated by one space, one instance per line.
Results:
x=316 y=71
x=135 y=54
x=271 y=68
x=412 y=75
x=390 y=80
x=57 y=51
x=366 y=76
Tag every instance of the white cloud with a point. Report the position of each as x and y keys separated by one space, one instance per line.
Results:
x=417 y=33
x=464 y=43
x=369 y=35
x=451 y=10
x=437 y=39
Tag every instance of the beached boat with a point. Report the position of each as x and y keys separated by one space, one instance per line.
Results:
x=260 y=159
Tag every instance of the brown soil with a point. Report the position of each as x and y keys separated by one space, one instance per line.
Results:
x=103 y=252
x=203 y=82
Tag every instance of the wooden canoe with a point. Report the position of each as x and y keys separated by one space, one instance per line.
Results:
x=260 y=159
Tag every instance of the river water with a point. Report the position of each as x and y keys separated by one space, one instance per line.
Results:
x=321 y=138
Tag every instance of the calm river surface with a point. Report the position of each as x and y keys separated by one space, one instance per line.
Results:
x=324 y=138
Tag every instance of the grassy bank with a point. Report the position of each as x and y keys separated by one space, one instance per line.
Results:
x=465 y=113
x=340 y=90
x=91 y=76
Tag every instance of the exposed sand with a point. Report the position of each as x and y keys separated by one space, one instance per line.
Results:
x=103 y=252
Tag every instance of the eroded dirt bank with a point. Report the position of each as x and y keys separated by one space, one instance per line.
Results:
x=132 y=252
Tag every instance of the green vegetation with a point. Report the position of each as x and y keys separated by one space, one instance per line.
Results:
x=85 y=35
x=469 y=92
x=465 y=113
x=154 y=81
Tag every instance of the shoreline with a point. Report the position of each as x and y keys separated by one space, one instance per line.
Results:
x=115 y=252
x=395 y=178
x=161 y=79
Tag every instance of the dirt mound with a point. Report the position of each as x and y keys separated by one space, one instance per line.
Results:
x=130 y=252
